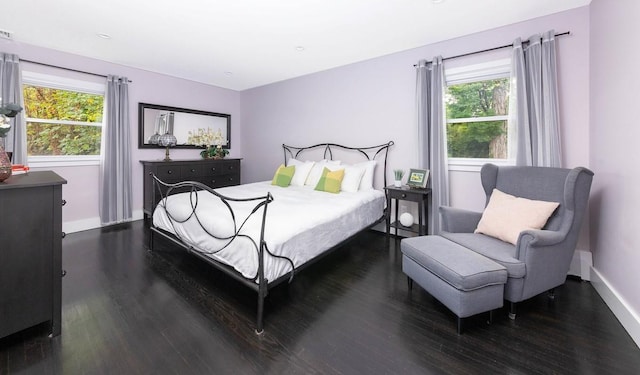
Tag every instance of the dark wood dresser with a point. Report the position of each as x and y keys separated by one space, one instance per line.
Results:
x=31 y=251
x=211 y=172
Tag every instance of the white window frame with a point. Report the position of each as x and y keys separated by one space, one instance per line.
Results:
x=473 y=73
x=63 y=83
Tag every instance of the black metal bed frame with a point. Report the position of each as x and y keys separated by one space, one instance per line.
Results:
x=258 y=283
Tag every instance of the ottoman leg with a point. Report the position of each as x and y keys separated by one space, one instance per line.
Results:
x=409 y=283
x=460 y=325
x=512 y=310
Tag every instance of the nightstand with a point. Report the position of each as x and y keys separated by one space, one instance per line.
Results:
x=405 y=193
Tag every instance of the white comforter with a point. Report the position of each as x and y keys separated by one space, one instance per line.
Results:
x=301 y=223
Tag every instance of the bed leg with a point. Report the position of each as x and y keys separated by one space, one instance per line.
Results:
x=259 y=323
x=151 y=240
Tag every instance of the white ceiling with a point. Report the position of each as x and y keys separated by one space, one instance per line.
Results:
x=240 y=44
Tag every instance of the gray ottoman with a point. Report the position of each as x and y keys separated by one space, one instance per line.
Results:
x=463 y=280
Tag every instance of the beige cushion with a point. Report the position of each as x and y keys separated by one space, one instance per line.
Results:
x=506 y=216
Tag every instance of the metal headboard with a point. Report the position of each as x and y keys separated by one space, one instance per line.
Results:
x=369 y=153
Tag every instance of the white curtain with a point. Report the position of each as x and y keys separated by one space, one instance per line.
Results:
x=432 y=136
x=534 y=115
x=11 y=92
x=115 y=165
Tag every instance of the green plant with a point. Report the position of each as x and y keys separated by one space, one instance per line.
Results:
x=214 y=152
x=398 y=174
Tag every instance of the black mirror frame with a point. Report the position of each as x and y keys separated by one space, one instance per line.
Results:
x=141 y=136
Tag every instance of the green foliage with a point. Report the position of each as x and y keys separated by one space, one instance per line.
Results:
x=62 y=139
x=214 y=152
x=484 y=139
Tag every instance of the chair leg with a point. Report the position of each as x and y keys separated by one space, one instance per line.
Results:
x=460 y=325
x=552 y=293
x=490 y=321
x=409 y=283
x=512 y=310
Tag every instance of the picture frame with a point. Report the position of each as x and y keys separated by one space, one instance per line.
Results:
x=418 y=178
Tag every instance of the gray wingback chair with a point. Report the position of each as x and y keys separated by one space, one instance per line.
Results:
x=540 y=259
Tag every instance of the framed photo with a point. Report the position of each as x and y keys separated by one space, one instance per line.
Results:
x=418 y=178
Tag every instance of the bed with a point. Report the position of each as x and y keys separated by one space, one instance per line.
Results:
x=263 y=234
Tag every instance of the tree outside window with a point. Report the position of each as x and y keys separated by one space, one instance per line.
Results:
x=477 y=119
x=62 y=122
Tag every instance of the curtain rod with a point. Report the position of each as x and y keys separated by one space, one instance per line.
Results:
x=69 y=69
x=492 y=49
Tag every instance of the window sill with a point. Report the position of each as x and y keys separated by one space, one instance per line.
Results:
x=62 y=161
x=474 y=165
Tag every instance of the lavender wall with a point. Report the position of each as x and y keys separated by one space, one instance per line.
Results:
x=81 y=192
x=373 y=101
x=614 y=138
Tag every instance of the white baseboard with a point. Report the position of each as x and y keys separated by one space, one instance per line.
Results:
x=629 y=319
x=92 y=223
x=581 y=264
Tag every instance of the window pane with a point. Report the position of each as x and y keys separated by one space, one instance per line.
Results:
x=58 y=139
x=477 y=137
x=486 y=139
x=478 y=99
x=55 y=104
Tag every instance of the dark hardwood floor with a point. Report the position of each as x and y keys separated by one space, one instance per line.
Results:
x=127 y=310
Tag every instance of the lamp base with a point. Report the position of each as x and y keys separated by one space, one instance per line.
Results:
x=166 y=154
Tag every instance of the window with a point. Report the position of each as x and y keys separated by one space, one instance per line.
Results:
x=64 y=119
x=477 y=109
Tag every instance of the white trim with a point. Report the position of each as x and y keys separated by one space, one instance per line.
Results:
x=93 y=223
x=69 y=84
x=477 y=119
x=81 y=225
x=629 y=319
x=63 y=161
x=478 y=72
x=474 y=73
x=63 y=122
x=474 y=164
x=63 y=83
x=581 y=264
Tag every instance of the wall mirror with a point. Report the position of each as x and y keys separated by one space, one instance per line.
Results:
x=189 y=126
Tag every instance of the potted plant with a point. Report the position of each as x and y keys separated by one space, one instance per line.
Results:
x=216 y=152
x=397 y=175
x=211 y=141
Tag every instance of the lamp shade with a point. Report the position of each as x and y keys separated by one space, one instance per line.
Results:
x=167 y=140
x=154 y=139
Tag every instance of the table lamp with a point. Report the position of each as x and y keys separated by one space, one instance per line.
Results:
x=167 y=140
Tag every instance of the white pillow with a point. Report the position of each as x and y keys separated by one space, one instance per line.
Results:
x=506 y=216
x=302 y=171
x=352 y=177
x=367 y=179
x=318 y=167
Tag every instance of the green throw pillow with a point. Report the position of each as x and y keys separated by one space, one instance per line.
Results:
x=283 y=175
x=330 y=181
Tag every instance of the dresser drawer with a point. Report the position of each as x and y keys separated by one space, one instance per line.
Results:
x=191 y=172
x=167 y=172
x=223 y=167
x=221 y=180
x=213 y=173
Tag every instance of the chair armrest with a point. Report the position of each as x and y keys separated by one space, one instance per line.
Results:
x=541 y=237
x=538 y=240
x=547 y=255
x=456 y=220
